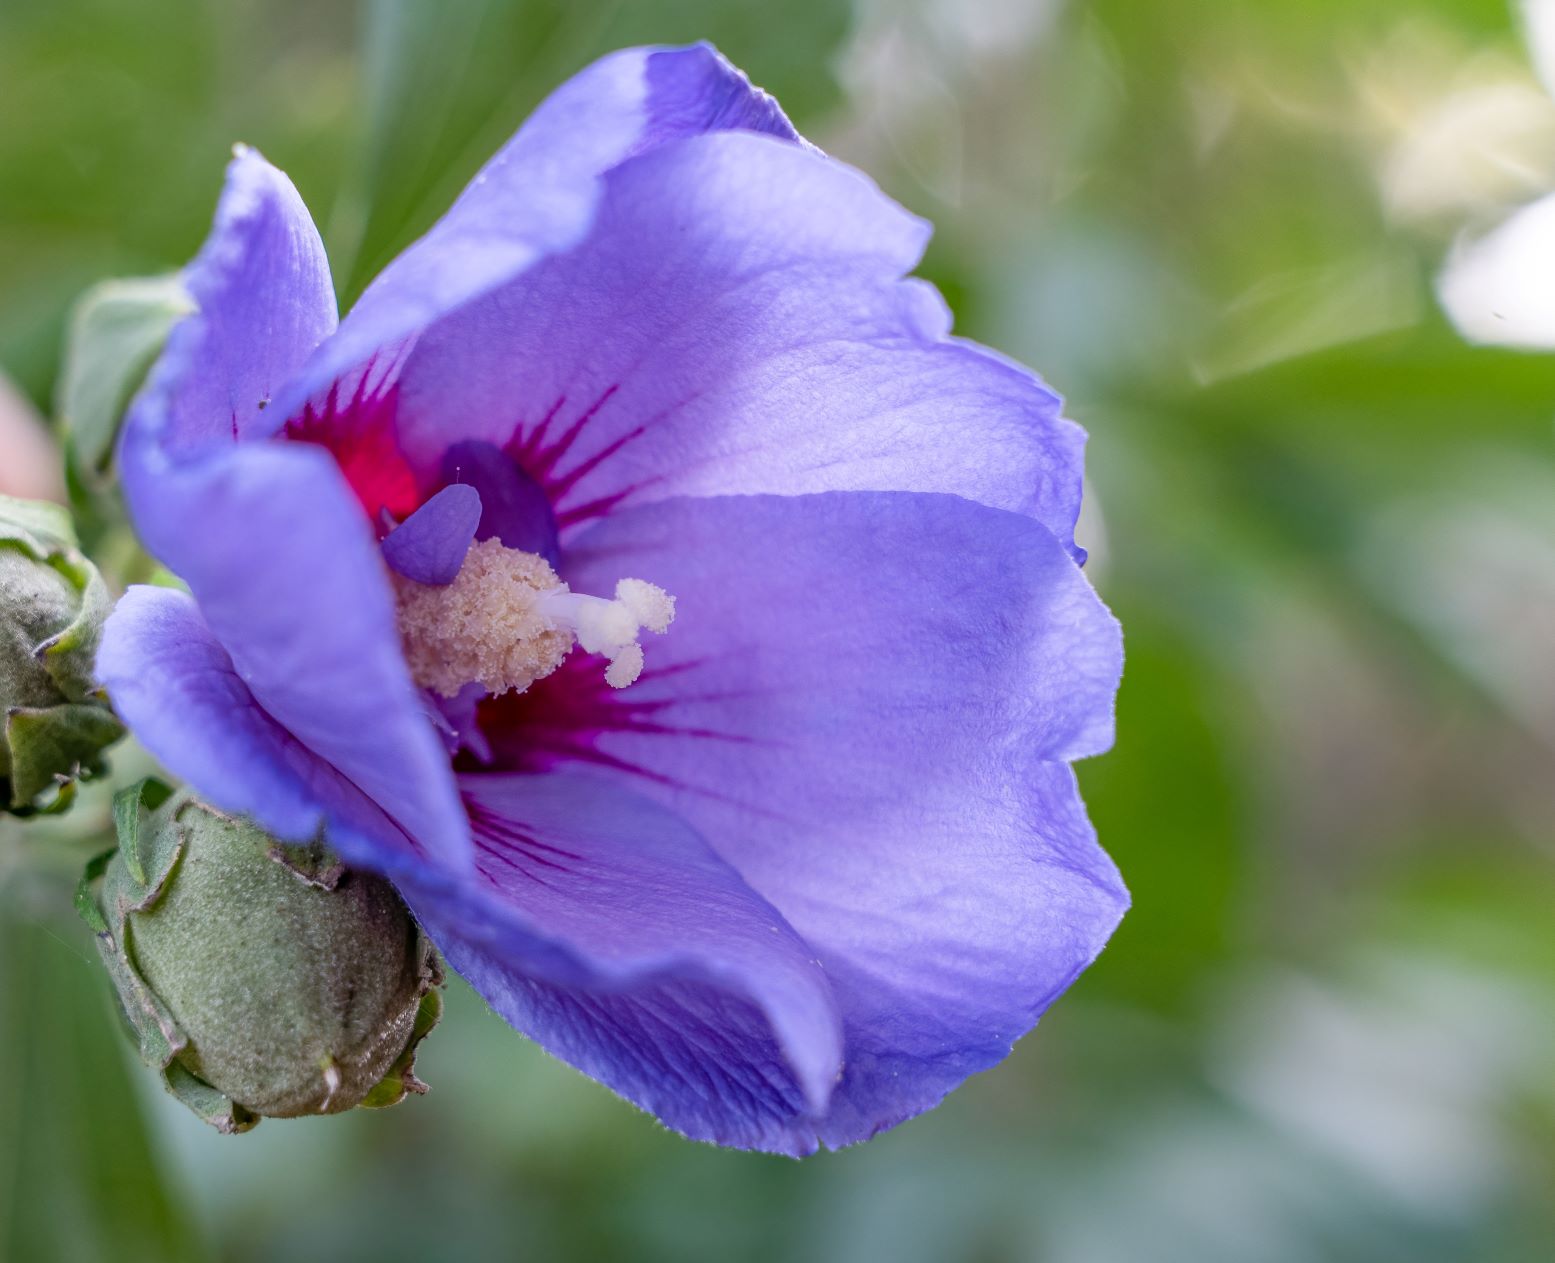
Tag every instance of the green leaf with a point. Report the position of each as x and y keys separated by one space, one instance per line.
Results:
x=116 y=330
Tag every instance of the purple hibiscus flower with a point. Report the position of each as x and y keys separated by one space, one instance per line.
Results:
x=643 y=579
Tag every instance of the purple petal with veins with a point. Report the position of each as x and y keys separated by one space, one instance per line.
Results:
x=429 y=546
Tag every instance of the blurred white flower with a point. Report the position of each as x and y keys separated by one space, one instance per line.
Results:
x=1481 y=146
x=1539 y=22
x=1499 y=288
x=1458 y=133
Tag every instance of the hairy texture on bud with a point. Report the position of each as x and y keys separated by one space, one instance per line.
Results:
x=52 y=605
x=264 y=980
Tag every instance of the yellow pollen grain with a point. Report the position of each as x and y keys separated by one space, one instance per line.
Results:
x=482 y=627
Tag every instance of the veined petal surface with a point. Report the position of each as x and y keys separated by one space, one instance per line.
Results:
x=601 y=926
x=738 y=319
x=866 y=705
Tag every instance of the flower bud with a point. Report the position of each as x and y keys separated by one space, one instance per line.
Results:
x=261 y=979
x=52 y=606
x=116 y=330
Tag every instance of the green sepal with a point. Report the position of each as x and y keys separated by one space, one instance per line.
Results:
x=106 y=896
x=43 y=525
x=312 y=862
x=209 y=1105
x=156 y=1034
x=149 y=793
x=70 y=656
x=401 y=1080
x=86 y=891
x=125 y=889
x=116 y=330
x=51 y=745
x=64 y=798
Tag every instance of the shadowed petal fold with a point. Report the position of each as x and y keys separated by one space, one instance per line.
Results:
x=601 y=926
x=865 y=705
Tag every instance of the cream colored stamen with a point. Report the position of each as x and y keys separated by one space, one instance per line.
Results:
x=506 y=621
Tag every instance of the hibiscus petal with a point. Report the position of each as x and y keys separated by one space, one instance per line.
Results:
x=864 y=705
x=174 y=684
x=538 y=194
x=429 y=546
x=737 y=321
x=267 y=535
x=289 y=578
x=601 y=926
x=263 y=289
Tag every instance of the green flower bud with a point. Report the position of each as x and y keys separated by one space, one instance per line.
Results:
x=261 y=979
x=52 y=606
x=117 y=328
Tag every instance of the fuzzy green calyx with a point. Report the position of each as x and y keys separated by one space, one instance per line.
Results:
x=262 y=980
x=56 y=722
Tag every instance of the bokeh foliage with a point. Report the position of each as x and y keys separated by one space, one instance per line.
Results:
x=1326 y=1029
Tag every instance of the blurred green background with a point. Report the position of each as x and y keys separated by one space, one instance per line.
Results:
x=1325 y=1032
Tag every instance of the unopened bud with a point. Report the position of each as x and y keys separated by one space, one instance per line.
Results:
x=52 y=606
x=262 y=980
